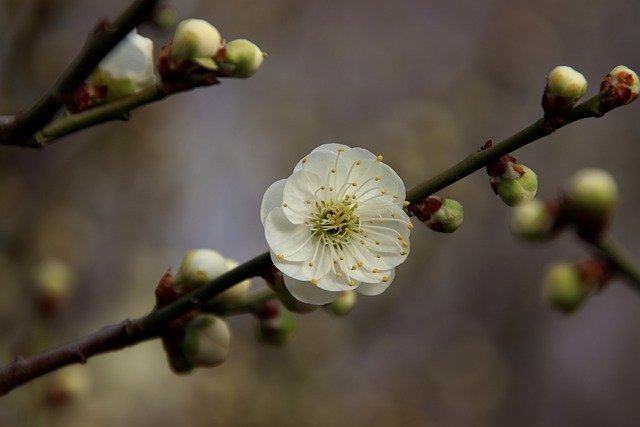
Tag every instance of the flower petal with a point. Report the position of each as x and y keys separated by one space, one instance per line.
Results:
x=298 y=269
x=332 y=147
x=331 y=282
x=376 y=288
x=299 y=195
x=308 y=293
x=272 y=198
x=291 y=242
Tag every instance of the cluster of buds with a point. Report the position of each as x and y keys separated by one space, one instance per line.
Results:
x=199 y=55
x=198 y=339
x=512 y=181
x=587 y=203
x=439 y=214
x=621 y=85
x=567 y=285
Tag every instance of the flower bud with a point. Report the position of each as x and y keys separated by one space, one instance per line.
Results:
x=164 y=16
x=593 y=191
x=566 y=83
x=53 y=281
x=198 y=41
x=276 y=325
x=126 y=69
x=439 y=214
x=623 y=86
x=533 y=220
x=563 y=287
x=238 y=291
x=199 y=267
x=240 y=58
x=343 y=305
x=517 y=186
x=206 y=341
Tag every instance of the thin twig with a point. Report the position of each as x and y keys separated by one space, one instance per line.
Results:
x=620 y=260
x=101 y=41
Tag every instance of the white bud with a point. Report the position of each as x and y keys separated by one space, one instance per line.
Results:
x=199 y=267
x=207 y=340
x=567 y=83
x=198 y=41
x=242 y=59
x=128 y=68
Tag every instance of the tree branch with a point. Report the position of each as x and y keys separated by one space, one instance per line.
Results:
x=131 y=332
x=20 y=128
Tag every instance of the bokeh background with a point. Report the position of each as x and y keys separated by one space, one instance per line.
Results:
x=461 y=338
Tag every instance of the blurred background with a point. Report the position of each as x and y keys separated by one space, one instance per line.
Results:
x=461 y=338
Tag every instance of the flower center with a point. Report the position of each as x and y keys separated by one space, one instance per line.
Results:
x=334 y=222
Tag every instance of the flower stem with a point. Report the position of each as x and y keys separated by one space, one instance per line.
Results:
x=620 y=260
x=479 y=159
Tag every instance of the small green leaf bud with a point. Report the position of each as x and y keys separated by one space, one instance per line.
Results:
x=439 y=214
x=567 y=83
x=126 y=69
x=563 y=287
x=592 y=191
x=238 y=291
x=518 y=187
x=276 y=325
x=53 y=281
x=164 y=16
x=206 y=341
x=198 y=41
x=533 y=220
x=240 y=58
x=199 y=267
x=343 y=305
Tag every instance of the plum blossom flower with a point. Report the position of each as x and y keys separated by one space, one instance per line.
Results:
x=337 y=224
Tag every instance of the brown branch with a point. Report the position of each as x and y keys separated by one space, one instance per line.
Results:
x=126 y=333
x=19 y=129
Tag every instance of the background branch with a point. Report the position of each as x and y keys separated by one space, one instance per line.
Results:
x=20 y=129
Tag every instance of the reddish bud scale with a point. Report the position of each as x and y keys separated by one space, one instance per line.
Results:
x=166 y=291
x=425 y=208
x=85 y=98
x=182 y=74
x=588 y=226
x=595 y=273
x=618 y=94
x=172 y=340
x=499 y=167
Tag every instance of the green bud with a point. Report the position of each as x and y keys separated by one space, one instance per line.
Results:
x=532 y=220
x=67 y=385
x=567 y=83
x=198 y=41
x=276 y=325
x=206 y=341
x=514 y=191
x=343 y=305
x=563 y=288
x=241 y=59
x=449 y=216
x=199 y=267
x=593 y=192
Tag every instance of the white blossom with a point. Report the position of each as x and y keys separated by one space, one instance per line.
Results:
x=337 y=224
x=128 y=68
